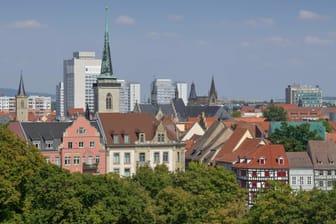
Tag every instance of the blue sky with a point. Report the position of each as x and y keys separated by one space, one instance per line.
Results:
x=254 y=49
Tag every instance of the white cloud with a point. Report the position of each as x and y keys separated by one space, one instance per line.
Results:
x=125 y=20
x=313 y=40
x=156 y=35
x=27 y=24
x=309 y=15
x=259 y=22
x=176 y=18
x=278 y=40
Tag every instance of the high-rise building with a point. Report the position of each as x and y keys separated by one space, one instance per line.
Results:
x=60 y=101
x=164 y=90
x=304 y=96
x=107 y=88
x=129 y=95
x=79 y=74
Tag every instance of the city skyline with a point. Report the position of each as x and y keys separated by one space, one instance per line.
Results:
x=253 y=51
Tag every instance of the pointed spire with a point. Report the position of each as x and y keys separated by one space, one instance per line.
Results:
x=106 y=64
x=87 y=112
x=192 y=94
x=213 y=91
x=21 y=91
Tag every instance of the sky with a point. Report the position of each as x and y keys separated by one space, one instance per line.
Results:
x=253 y=49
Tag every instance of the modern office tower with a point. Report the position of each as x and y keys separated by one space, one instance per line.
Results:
x=182 y=91
x=164 y=90
x=305 y=96
x=80 y=73
x=60 y=101
x=129 y=95
x=107 y=88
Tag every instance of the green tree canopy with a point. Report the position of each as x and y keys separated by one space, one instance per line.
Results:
x=294 y=138
x=274 y=113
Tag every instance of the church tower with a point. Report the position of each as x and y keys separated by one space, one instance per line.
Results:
x=212 y=94
x=21 y=103
x=107 y=88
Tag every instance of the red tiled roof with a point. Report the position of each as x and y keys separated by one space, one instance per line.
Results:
x=270 y=153
x=250 y=119
x=16 y=128
x=247 y=109
x=191 y=143
x=331 y=136
x=74 y=111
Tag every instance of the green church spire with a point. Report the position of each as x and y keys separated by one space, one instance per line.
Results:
x=106 y=71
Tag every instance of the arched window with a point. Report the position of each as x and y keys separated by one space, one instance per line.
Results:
x=109 y=101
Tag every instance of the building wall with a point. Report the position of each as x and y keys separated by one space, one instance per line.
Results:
x=60 y=100
x=86 y=146
x=162 y=91
x=301 y=179
x=308 y=95
x=102 y=88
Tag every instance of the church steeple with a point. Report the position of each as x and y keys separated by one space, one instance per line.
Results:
x=192 y=94
x=21 y=90
x=213 y=93
x=106 y=71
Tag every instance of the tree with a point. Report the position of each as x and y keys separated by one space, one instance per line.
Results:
x=326 y=125
x=236 y=113
x=274 y=113
x=294 y=138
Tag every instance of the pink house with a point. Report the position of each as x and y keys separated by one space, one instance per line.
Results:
x=82 y=150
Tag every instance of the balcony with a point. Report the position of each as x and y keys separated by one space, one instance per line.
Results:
x=90 y=168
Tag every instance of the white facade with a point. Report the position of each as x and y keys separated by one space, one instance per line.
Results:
x=182 y=88
x=129 y=95
x=60 y=100
x=7 y=104
x=164 y=90
x=79 y=73
x=301 y=179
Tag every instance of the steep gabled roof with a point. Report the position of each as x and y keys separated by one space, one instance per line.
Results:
x=299 y=160
x=322 y=154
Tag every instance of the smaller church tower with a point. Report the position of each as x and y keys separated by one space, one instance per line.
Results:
x=212 y=94
x=107 y=88
x=21 y=103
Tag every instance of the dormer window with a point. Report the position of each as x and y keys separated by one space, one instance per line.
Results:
x=126 y=139
x=142 y=137
x=161 y=137
x=115 y=139
x=281 y=160
x=81 y=131
x=49 y=144
x=37 y=144
x=262 y=161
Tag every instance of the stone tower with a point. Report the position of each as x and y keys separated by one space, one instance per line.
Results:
x=107 y=88
x=21 y=103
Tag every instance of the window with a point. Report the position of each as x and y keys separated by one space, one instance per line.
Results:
x=70 y=145
x=281 y=160
x=254 y=173
x=83 y=159
x=76 y=160
x=116 y=170
x=178 y=157
x=321 y=172
x=116 y=158
x=329 y=172
x=321 y=183
x=67 y=160
x=165 y=157
x=267 y=174
x=262 y=161
x=49 y=144
x=243 y=173
x=97 y=159
x=156 y=157
x=109 y=101
x=142 y=137
x=281 y=174
x=127 y=172
x=309 y=180
x=127 y=158
x=126 y=139
x=160 y=137
x=330 y=184
x=115 y=139
x=294 y=180
x=81 y=130
x=142 y=157
x=47 y=158
x=92 y=144
x=254 y=184
x=90 y=160
x=37 y=144
x=81 y=144
x=58 y=161
x=301 y=180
